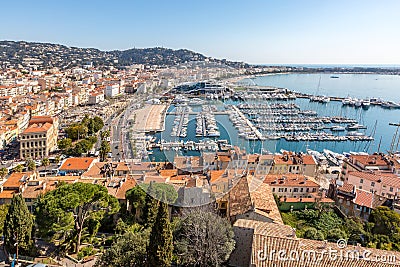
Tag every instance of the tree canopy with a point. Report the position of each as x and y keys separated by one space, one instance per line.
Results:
x=158 y=189
x=385 y=221
x=64 y=143
x=3 y=214
x=159 y=250
x=66 y=211
x=203 y=239
x=129 y=249
x=3 y=172
x=18 y=227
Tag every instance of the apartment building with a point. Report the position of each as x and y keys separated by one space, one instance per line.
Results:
x=291 y=185
x=294 y=163
x=40 y=138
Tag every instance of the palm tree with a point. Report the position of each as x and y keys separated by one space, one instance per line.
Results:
x=3 y=172
x=18 y=168
x=104 y=134
x=45 y=163
x=57 y=159
x=30 y=164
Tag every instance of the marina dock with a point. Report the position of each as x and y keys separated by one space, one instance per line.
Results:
x=256 y=132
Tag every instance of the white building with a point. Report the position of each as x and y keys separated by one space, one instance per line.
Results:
x=112 y=90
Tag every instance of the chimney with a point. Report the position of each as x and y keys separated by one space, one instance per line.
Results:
x=294 y=232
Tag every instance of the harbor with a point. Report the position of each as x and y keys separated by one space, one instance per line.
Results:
x=267 y=118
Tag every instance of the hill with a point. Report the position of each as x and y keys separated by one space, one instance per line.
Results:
x=44 y=55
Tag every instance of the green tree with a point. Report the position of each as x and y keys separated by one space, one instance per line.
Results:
x=104 y=150
x=135 y=198
x=76 y=131
x=30 y=165
x=385 y=221
x=18 y=168
x=3 y=173
x=3 y=213
x=129 y=249
x=159 y=189
x=150 y=208
x=98 y=123
x=81 y=147
x=104 y=135
x=203 y=239
x=64 y=213
x=159 y=250
x=92 y=139
x=45 y=163
x=312 y=233
x=65 y=143
x=57 y=159
x=336 y=234
x=354 y=230
x=18 y=227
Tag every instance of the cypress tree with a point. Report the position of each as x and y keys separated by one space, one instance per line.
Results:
x=150 y=207
x=159 y=251
x=18 y=227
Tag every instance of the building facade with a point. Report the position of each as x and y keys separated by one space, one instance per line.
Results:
x=40 y=138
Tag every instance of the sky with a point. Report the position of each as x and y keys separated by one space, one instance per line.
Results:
x=253 y=31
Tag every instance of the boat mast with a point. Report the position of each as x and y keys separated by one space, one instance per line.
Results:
x=379 y=146
x=394 y=136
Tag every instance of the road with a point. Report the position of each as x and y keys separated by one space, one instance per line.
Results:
x=121 y=148
x=119 y=141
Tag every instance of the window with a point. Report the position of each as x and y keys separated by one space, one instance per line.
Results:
x=372 y=183
x=314 y=190
x=360 y=187
x=361 y=181
x=391 y=189
x=285 y=189
x=296 y=190
x=301 y=189
x=273 y=189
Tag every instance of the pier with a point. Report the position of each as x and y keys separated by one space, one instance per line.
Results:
x=249 y=123
x=181 y=122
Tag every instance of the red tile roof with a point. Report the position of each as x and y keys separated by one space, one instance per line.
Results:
x=289 y=180
x=363 y=198
x=77 y=164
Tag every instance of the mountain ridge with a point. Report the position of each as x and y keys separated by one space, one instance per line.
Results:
x=45 y=55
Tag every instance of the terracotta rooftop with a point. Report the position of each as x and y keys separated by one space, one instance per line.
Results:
x=38 y=128
x=275 y=237
x=385 y=178
x=293 y=159
x=348 y=188
x=81 y=164
x=168 y=173
x=369 y=160
x=368 y=199
x=16 y=179
x=128 y=184
x=41 y=119
x=7 y=194
x=290 y=180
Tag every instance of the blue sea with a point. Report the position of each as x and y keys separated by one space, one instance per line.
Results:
x=386 y=87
